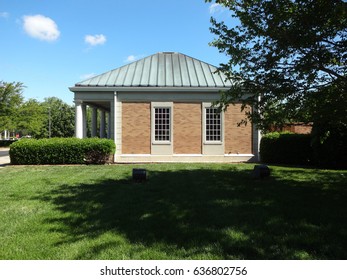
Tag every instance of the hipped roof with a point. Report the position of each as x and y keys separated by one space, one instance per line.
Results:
x=164 y=69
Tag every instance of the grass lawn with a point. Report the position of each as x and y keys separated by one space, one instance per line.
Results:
x=184 y=211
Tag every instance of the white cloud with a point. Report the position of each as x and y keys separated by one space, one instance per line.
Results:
x=132 y=58
x=4 y=15
x=41 y=27
x=94 y=40
x=87 y=76
x=215 y=8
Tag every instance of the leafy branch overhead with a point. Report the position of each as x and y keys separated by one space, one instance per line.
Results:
x=288 y=52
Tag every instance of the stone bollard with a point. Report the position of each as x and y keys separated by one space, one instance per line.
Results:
x=139 y=175
x=261 y=171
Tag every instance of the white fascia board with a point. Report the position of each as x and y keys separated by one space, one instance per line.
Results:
x=149 y=89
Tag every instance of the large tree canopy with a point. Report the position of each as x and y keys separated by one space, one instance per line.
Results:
x=61 y=118
x=285 y=55
x=32 y=117
x=11 y=97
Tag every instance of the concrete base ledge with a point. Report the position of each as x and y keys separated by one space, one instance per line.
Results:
x=191 y=158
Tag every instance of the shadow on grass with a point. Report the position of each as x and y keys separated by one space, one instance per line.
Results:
x=206 y=213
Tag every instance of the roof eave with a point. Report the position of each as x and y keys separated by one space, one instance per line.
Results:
x=147 y=89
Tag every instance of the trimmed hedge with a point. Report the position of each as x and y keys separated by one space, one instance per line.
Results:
x=62 y=151
x=329 y=143
x=6 y=143
x=286 y=148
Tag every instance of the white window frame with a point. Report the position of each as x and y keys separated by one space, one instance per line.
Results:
x=161 y=105
x=212 y=142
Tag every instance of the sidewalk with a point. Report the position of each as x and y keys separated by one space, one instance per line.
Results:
x=4 y=157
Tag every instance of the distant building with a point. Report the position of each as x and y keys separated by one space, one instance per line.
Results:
x=299 y=128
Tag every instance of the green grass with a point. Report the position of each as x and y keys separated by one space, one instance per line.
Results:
x=184 y=211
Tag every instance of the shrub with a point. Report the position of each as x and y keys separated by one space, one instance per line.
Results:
x=329 y=132
x=6 y=143
x=286 y=148
x=62 y=151
x=329 y=145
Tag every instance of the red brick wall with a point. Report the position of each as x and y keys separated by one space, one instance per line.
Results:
x=299 y=128
x=238 y=139
x=187 y=129
x=187 y=133
x=136 y=128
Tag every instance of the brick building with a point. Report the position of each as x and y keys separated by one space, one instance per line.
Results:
x=159 y=109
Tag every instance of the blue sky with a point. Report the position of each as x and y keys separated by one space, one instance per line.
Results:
x=49 y=45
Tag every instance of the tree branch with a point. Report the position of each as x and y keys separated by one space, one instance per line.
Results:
x=338 y=44
x=330 y=72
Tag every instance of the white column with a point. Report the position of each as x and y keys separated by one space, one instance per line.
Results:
x=94 y=121
x=113 y=118
x=111 y=121
x=256 y=142
x=257 y=134
x=84 y=114
x=109 y=124
x=102 y=123
x=114 y=136
x=79 y=119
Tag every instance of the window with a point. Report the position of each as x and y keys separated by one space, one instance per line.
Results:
x=213 y=125
x=162 y=129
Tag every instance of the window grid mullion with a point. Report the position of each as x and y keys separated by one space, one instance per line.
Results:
x=213 y=125
x=162 y=124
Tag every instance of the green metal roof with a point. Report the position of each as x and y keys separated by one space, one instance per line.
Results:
x=164 y=69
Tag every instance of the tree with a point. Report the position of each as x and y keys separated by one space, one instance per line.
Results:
x=329 y=133
x=31 y=118
x=285 y=55
x=60 y=118
x=11 y=97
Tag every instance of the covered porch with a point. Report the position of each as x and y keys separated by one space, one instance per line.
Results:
x=99 y=120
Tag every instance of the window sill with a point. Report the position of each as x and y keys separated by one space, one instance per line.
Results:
x=213 y=143
x=162 y=143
